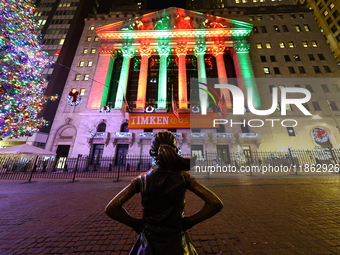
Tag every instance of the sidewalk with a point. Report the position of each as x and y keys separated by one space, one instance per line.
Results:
x=294 y=215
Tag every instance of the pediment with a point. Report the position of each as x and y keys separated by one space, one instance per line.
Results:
x=174 y=18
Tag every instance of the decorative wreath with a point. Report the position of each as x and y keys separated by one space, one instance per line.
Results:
x=195 y=109
x=74 y=98
x=149 y=109
x=320 y=135
x=105 y=109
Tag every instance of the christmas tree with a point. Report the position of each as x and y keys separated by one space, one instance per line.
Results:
x=22 y=62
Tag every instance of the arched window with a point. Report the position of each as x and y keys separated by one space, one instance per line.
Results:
x=101 y=127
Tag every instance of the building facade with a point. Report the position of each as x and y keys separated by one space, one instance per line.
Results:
x=327 y=14
x=122 y=86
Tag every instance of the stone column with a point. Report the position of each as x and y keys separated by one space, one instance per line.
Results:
x=218 y=52
x=244 y=71
x=181 y=51
x=128 y=52
x=103 y=73
x=200 y=50
x=163 y=51
x=145 y=52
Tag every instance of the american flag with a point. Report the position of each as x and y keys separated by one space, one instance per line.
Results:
x=223 y=107
x=174 y=107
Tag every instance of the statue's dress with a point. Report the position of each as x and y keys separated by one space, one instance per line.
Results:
x=163 y=199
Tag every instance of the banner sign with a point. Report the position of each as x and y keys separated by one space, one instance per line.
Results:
x=169 y=120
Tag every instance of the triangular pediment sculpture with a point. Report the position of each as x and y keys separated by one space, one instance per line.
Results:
x=174 y=18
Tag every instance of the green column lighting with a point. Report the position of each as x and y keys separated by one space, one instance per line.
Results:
x=108 y=77
x=163 y=51
x=200 y=50
x=127 y=52
x=245 y=71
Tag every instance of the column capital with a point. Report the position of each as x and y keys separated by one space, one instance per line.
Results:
x=114 y=54
x=200 y=48
x=241 y=47
x=128 y=51
x=218 y=49
x=181 y=49
x=145 y=50
x=163 y=50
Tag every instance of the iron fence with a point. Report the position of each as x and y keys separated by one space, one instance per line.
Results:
x=27 y=168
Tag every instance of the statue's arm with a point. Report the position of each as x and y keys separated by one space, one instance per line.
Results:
x=116 y=211
x=211 y=206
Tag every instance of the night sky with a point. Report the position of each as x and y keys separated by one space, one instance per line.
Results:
x=162 y=4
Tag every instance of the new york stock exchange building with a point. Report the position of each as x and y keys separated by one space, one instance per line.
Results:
x=130 y=68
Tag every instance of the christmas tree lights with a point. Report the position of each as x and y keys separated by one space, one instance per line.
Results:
x=22 y=62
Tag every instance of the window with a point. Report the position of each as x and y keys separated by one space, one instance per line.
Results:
x=292 y=16
x=291 y=69
x=325 y=88
x=333 y=106
x=296 y=57
x=282 y=45
x=277 y=70
x=306 y=27
x=317 y=69
x=263 y=29
x=271 y=17
x=309 y=88
x=85 y=50
x=259 y=17
x=301 y=16
x=321 y=57
x=91 y=28
x=61 y=42
x=302 y=69
x=304 y=44
x=81 y=63
x=311 y=57
x=316 y=106
x=287 y=58
x=334 y=29
x=77 y=77
x=251 y=18
x=335 y=87
x=285 y=28
x=268 y=45
x=276 y=29
x=338 y=37
x=272 y=58
x=329 y=20
x=271 y=88
x=259 y=45
x=290 y=131
x=96 y=39
x=86 y=77
x=327 y=69
x=89 y=63
x=314 y=44
x=325 y=13
x=306 y=106
x=320 y=6
x=297 y=28
x=88 y=39
x=263 y=59
x=288 y=108
x=331 y=6
x=297 y=86
x=82 y=92
x=93 y=50
x=336 y=14
x=279 y=16
x=266 y=70
x=291 y=44
x=255 y=30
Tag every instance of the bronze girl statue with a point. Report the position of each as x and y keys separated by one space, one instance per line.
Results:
x=163 y=228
